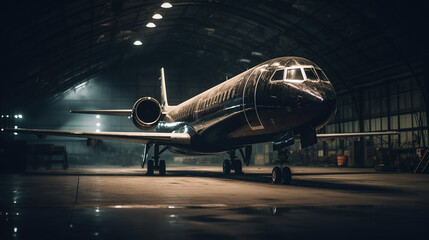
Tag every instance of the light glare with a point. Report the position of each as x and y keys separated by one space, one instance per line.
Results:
x=137 y=43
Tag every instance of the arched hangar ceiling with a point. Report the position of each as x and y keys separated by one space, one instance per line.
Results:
x=50 y=46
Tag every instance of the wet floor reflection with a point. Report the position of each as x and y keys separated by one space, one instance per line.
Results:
x=307 y=222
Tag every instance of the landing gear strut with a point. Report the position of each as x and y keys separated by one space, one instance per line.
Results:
x=155 y=163
x=282 y=174
x=235 y=164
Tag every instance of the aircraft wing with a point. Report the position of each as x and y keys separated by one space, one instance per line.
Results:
x=137 y=137
x=348 y=135
x=117 y=112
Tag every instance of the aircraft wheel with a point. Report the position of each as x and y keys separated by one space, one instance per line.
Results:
x=226 y=167
x=286 y=175
x=162 y=167
x=238 y=168
x=149 y=168
x=276 y=175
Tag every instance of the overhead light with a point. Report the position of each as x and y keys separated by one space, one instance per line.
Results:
x=98 y=116
x=20 y=116
x=244 y=60
x=16 y=127
x=257 y=54
x=16 y=116
x=157 y=16
x=7 y=116
x=2 y=116
x=151 y=25
x=98 y=130
x=98 y=124
x=15 y=133
x=137 y=43
x=166 y=5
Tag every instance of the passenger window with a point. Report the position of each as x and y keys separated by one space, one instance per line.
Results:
x=309 y=72
x=278 y=75
x=294 y=74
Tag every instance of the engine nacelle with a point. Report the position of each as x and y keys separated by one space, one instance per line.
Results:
x=146 y=113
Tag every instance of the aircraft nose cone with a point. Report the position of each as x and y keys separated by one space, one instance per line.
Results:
x=328 y=106
x=321 y=103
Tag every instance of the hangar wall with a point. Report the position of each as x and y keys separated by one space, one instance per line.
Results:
x=388 y=101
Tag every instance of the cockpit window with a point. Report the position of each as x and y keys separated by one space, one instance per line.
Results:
x=294 y=74
x=311 y=75
x=322 y=75
x=278 y=75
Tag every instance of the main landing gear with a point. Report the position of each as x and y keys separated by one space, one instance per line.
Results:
x=154 y=164
x=235 y=164
x=282 y=174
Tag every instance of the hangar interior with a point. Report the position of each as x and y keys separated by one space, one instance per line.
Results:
x=63 y=55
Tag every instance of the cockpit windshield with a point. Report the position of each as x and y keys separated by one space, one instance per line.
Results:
x=322 y=75
x=299 y=74
x=294 y=74
x=310 y=73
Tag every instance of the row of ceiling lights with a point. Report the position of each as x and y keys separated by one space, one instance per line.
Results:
x=156 y=16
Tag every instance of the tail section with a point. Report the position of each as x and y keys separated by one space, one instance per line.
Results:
x=164 y=101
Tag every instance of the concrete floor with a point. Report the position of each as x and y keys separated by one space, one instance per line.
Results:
x=201 y=203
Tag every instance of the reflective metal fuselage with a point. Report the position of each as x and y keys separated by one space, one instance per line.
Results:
x=251 y=108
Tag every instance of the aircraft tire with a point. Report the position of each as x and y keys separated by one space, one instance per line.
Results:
x=150 y=166
x=286 y=175
x=276 y=175
x=238 y=168
x=226 y=167
x=162 y=168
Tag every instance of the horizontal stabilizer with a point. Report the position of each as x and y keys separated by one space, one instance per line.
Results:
x=137 y=137
x=118 y=112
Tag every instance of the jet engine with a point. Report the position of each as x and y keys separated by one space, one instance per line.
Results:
x=146 y=113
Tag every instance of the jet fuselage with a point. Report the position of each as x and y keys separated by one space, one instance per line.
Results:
x=254 y=106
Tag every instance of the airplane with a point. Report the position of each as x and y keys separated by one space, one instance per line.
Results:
x=277 y=101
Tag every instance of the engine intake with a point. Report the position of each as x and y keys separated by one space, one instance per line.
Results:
x=146 y=113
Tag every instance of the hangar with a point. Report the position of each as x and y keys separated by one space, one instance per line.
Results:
x=63 y=55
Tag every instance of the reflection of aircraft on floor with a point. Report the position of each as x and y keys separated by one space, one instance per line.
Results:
x=276 y=101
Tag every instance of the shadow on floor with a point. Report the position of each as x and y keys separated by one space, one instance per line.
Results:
x=264 y=178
